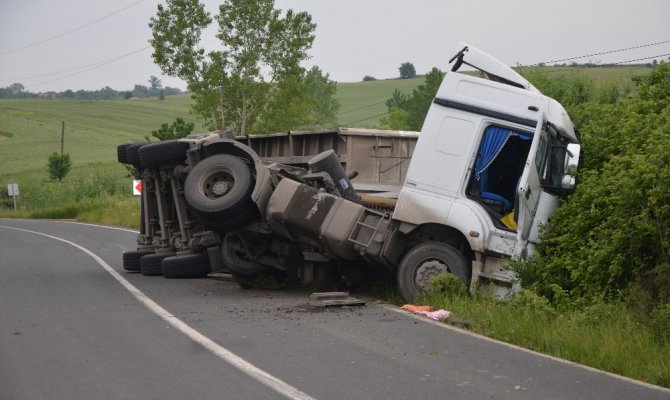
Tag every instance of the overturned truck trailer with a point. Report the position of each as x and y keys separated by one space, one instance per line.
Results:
x=469 y=192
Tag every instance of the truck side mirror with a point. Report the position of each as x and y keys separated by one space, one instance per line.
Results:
x=572 y=159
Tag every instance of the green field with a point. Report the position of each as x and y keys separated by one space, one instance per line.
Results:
x=363 y=103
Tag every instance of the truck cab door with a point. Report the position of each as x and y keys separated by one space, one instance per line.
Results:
x=529 y=187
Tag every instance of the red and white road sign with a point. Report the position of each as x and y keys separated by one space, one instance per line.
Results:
x=137 y=187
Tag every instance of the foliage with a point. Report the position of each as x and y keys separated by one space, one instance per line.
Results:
x=321 y=92
x=59 y=165
x=17 y=91
x=407 y=70
x=408 y=112
x=368 y=78
x=448 y=286
x=178 y=129
x=261 y=51
x=609 y=240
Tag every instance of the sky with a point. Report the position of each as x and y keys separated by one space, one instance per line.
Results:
x=54 y=45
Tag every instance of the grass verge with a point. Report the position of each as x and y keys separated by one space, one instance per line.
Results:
x=603 y=336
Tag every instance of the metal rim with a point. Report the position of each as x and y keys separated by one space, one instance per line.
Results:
x=429 y=269
x=217 y=184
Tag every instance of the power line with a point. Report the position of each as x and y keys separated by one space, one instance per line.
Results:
x=360 y=108
x=70 y=31
x=641 y=59
x=94 y=66
x=20 y=79
x=365 y=119
x=607 y=52
x=567 y=68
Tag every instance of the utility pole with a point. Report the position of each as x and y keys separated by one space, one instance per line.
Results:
x=62 y=139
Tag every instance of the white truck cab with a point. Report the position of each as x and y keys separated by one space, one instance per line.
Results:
x=493 y=155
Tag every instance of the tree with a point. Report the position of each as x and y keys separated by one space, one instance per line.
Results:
x=59 y=165
x=155 y=83
x=407 y=70
x=178 y=129
x=408 y=112
x=322 y=94
x=368 y=78
x=261 y=49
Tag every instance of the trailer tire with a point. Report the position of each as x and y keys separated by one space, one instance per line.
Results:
x=156 y=154
x=133 y=155
x=426 y=261
x=150 y=265
x=192 y=265
x=121 y=153
x=219 y=188
x=237 y=264
x=131 y=260
x=235 y=223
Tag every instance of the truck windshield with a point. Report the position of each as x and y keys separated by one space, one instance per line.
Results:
x=556 y=163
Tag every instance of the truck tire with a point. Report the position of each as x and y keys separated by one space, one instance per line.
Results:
x=193 y=265
x=235 y=223
x=121 y=153
x=131 y=260
x=171 y=152
x=426 y=261
x=237 y=263
x=219 y=188
x=133 y=155
x=150 y=265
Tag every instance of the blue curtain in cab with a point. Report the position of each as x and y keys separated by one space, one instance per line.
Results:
x=494 y=140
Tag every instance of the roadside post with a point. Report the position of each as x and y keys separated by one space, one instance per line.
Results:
x=137 y=187
x=13 y=190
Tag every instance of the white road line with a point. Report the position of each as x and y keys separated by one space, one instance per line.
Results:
x=218 y=350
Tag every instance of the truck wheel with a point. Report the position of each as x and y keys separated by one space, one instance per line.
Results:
x=219 y=187
x=172 y=152
x=237 y=262
x=133 y=155
x=150 y=265
x=121 y=153
x=194 y=265
x=131 y=260
x=426 y=261
x=235 y=223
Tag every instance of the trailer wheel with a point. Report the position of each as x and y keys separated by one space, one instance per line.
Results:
x=150 y=265
x=131 y=260
x=193 y=265
x=121 y=153
x=426 y=261
x=219 y=187
x=156 y=154
x=133 y=155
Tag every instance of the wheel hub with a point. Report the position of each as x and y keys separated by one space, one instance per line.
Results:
x=221 y=187
x=429 y=270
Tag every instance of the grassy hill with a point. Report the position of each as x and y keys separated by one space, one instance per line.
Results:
x=363 y=103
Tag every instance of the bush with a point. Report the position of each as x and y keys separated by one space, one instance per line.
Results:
x=608 y=241
x=448 y=286
x=368 y=78
x=59 y=166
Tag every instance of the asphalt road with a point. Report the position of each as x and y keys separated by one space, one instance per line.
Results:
x=73 y=325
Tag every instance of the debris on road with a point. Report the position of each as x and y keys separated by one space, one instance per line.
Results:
x=334 y=299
